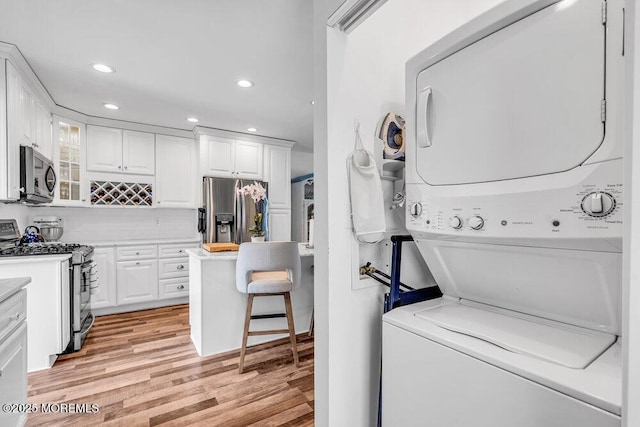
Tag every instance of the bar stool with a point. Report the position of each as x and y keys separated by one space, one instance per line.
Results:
x=268 y=269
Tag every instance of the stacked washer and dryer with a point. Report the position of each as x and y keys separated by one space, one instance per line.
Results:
x=514 y=198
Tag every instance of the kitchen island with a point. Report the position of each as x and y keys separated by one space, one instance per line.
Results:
x=217 y=309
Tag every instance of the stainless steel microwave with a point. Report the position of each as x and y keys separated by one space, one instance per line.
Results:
x=37 y=177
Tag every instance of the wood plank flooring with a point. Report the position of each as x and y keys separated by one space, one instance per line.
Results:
x=141 y=369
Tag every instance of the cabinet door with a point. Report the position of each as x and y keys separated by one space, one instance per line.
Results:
x=69 y=153
x=103 y=293
x=277 y=162
x=138 y=152
x=248 y=162
x=43 y=131
x=176 y=180
x=10 y=182
x=219 y=157
x=27 y=115
x=137 y=281
x=13 y=381
x=104 y=149
x=279 y=225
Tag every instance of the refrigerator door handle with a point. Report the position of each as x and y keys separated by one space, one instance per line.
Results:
x=237 y=207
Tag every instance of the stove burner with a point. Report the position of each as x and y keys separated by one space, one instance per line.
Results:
x=79 y=251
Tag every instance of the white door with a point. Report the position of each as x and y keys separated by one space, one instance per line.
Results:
x=176 y=179
x=103 y=293
x=278 y=175
x=220 y=156
x=530 y=93
x=27 y=114
x=69 y=156
x=43 y=131
x=137 y=281
x=104 y=149
x=138 y=152
x=248 y=162
x=279 y=225
x=11 y=181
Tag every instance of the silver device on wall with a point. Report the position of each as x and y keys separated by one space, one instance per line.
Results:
x=226 y=215
x=37 y=177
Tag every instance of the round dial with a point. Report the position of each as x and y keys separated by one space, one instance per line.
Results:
x=415 y=209
x=598 y=204
x=476 y=222
x=455 y=222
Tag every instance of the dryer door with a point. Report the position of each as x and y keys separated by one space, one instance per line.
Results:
x=523 y=101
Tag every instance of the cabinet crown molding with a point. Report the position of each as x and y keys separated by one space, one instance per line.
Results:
x=13 y=54
x=221 y=133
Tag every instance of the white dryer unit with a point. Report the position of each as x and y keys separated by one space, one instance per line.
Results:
x=514 y=191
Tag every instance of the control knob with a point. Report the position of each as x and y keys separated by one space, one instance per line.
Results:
x=415 y=209
x=598 y=204
x=476 y=222
x=455 y=222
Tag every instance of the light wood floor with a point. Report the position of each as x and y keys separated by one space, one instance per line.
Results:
x=142 y=370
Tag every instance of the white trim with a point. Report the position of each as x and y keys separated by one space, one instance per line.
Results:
x=352 y=13
x=201 y=130
x=13 y=54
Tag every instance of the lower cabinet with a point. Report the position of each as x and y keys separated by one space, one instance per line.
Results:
x=279 y=225
x=137 y=281
x=103 y=293
x=138 y=274
x=13 y=381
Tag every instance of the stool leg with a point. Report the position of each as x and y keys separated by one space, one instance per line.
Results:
x=311 y=325
x=292 y=329
x=245 y=335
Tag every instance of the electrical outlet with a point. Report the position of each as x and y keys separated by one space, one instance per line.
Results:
x=157 y=221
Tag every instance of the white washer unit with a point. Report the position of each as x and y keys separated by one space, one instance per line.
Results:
x=514 y=191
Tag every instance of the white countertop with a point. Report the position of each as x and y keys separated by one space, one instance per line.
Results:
x=141 y=242
x=9 y=287
x=203 y=255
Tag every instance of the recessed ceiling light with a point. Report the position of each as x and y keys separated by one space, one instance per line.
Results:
x=104 y=68
x=245 y=83
x=111 y=106
x=192 y=120
x=313 y=102
x=252 y=130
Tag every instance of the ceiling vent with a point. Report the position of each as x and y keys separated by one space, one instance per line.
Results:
x=352 y=12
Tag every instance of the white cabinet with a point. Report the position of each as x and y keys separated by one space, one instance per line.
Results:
x=104 y=295
x=138 y=152
x=69 y=149
x=43 y=140
x=277 y=161
x=13 y=381
x=117 y=150
x=176 y=168
x=10 y=182
x=137 y=281
x=27 y=114
x=229 y=158
x=279 y=225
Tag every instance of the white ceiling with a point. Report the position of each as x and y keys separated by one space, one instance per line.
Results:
x=174 y=59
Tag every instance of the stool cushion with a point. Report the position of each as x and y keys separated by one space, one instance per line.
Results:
x=269 y=281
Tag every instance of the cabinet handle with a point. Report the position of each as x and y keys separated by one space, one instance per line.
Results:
x=180 y=267
x=181 y=287
x=126 y=167
x=137 y=253
x=180 y=251
x=16 y=316
x=137 y=263
x=119 y=167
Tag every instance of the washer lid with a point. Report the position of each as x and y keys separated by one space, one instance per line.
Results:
x=524 y=101
x=554 y=342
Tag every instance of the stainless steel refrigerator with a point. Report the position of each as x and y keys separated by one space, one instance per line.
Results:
x=226 y=215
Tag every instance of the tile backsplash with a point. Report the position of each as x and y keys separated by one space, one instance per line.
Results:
x=121 y=224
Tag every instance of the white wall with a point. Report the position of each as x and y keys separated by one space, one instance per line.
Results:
x=17 y=212
x=93 y=225
x=301 y=163
x=365 y=79
x=631 y=272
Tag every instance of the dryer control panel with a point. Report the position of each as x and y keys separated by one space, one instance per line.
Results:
x=561 y=210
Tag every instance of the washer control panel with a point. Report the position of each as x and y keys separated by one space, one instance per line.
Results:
x=540 y=208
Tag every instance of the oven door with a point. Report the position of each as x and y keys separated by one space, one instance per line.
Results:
x=81 y=295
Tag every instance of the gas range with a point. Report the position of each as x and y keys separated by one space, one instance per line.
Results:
x=79 y=253
x=10 y=245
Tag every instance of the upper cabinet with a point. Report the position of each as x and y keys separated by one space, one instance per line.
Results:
x=120 y=151
x=176 y=167
x=229 y=158
x=277 y=161
x=68 y=156
x=25 y=119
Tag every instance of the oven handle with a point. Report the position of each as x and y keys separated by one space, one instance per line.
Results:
x=84 y=332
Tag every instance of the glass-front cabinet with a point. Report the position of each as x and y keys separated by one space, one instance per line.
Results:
x=69 y=156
